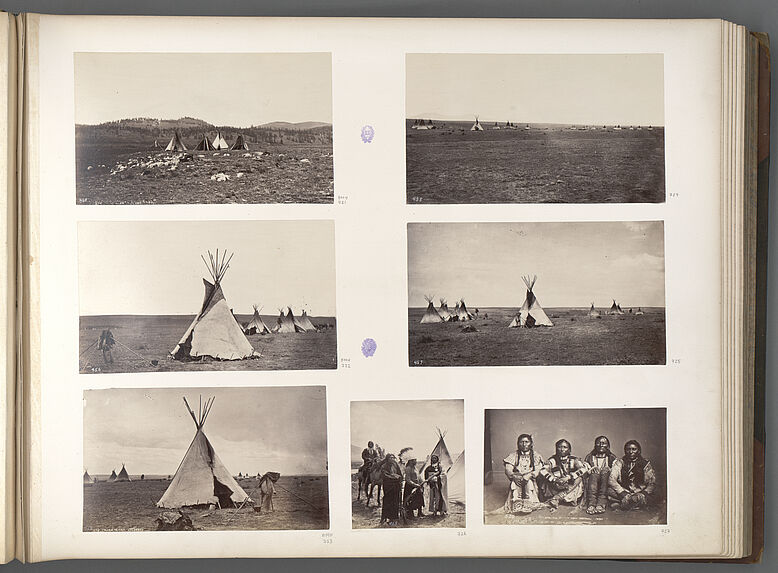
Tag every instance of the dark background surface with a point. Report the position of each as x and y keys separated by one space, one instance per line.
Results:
x=758 y=15
x=580 y=427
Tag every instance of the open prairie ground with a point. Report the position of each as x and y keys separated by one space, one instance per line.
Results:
x=301 y=502
x=144 y=342
x=575 y=339
x=111 y=173
x=545 y=164
x=363 y=517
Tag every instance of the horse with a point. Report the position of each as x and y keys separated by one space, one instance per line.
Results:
x=365 y=472
x=376 y=478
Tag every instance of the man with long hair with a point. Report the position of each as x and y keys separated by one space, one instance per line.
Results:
x=632 y=483
x=563 y=476
x=522 y=468
x=600 y=461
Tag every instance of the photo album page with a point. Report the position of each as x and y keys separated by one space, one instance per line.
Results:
x=326 y=287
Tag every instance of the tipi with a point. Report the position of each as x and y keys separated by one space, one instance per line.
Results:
x=287 y=323
x=175 y=143
x=88 y=479
x=214 y=331
x=123 y=475
x=454 y=472
x=112 y=477
x=201 y=478
x=531 y=313
x=430 y=315
x=240 y=144
x=593 y=312
x=304 y=322
x=639 y=311
x=462 y=313
x=443 y=310
x=204 y=145
x=256 y=325
x=614 y=309
x=476 y=126
x=219 y=142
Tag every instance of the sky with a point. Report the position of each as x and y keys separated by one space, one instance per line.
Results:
x=252 y=430
x=576 y=263
x=237 y=90
x=626 y=89
x=154 y=267
x=397 y=424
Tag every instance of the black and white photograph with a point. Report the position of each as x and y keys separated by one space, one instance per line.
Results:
x=175 y=128
x=575 y=467
x=407 y=464
x=193 y=459
x=206 y=295
x=536 y=294
x=534 y=128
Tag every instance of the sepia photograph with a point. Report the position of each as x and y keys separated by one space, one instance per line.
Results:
x=536 y=294
x=407 y=464
x=206 y=295
x=213 y=459
x=174 y=128
x=534 y=128
x=575 y=467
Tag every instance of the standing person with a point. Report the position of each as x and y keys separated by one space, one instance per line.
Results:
x=563 y=476
x=267 y=490
x=413 y=494
x=600 y=461
x=522 y=468
x=632 y=483
x=392 y=475
x=106 y=344
x=434 y=476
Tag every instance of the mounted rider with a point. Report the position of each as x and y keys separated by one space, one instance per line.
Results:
x=369 y=456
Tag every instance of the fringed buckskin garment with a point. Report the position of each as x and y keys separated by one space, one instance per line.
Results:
x=523 y=470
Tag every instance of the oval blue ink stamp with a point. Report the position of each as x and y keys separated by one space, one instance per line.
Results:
x=368 y=133
x=369 y=347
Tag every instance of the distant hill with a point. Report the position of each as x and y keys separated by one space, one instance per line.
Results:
x=144 y=131
x=301 y=125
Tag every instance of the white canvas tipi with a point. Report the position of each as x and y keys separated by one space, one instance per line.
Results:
x=287 y=323
x=614 y=309
x=462 y=312
x=112 y=477
x=214 y=331
x=219 y=142
x=430 y=315
x=123 y=475
x=453 y=472
x=201 y=478
x=476 y=126
x=443 y=310
x=175 y=143
x=531 y=313
x=593 y=312
x=87 y=478
x=305 y=323
x=256 y=325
